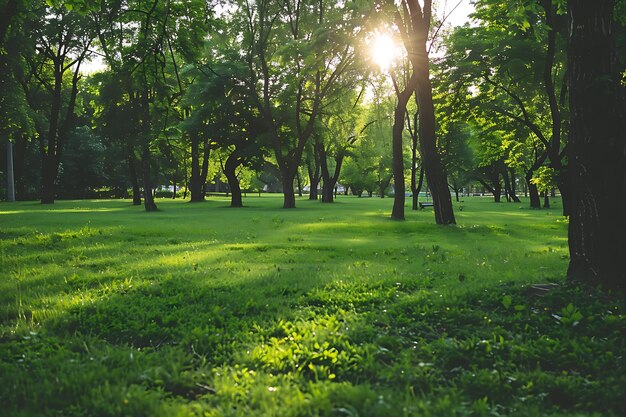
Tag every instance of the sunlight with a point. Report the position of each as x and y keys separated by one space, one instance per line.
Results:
x=384 y=50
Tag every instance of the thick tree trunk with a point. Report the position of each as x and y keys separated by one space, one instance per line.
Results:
x=497 y=192
x=533 y=192
x=195 y=187
x=597 y=148
x=546 y=200
x=289 y=196
x=10 y=179
x=433 y=167
x=230 y=169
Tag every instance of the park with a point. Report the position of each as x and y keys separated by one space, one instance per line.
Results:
x=299 y=208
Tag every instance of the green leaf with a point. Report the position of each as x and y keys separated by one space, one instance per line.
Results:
x=506 y=301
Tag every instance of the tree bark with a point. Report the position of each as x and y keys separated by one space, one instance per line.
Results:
x=533 y=193
x=10 y=179
x=299 y=182
x=514 y=196
x=417 y=189
x=433 y=167
x=196 y=186
x=314 y=176
x=597 y=148
x=132 y=172
x=397 y=164
x=230 y=168
x=289 y=196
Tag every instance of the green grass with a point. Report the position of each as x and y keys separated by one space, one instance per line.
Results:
x=326 y=310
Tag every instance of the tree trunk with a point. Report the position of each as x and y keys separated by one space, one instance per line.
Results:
x=533 y=192
x=204 y=172
x=148 y=196
x=132 y=172
x=10 y=179
x=597 y=148
x=314 y=181
x=330 y=181
x=417 y=189
x=514 y=196
x=546 y=200
x=433 y=167
x=497 y=192
x=230 y=168
x=507 y=187
x=397 y=164
x=196 y=186
x=289 y=196
x=299 y=182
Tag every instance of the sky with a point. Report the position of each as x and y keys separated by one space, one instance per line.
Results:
x=460 y=15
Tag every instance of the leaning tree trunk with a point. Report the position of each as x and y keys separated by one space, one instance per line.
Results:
x=513 y=189
x=597 y=148
x=230 y=168
x=397 y=164
x=417 y=189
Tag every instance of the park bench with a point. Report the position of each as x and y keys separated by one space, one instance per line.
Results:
x=422 y=205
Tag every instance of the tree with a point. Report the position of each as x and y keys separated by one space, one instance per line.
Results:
x=515 y=63
x=415 y=35
x=297 y=51
x=62 y=40
x=597 y=148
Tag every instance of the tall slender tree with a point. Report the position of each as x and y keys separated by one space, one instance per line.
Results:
x=415 y=35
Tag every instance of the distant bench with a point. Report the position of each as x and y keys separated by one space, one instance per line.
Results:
x=422 y=205
x=216 y=194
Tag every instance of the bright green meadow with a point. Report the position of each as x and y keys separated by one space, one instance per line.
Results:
x=325 y=310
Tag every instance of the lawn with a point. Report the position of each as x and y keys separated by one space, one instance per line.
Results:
x=326 y=310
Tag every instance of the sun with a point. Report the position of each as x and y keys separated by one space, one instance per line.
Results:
x=384 y=50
